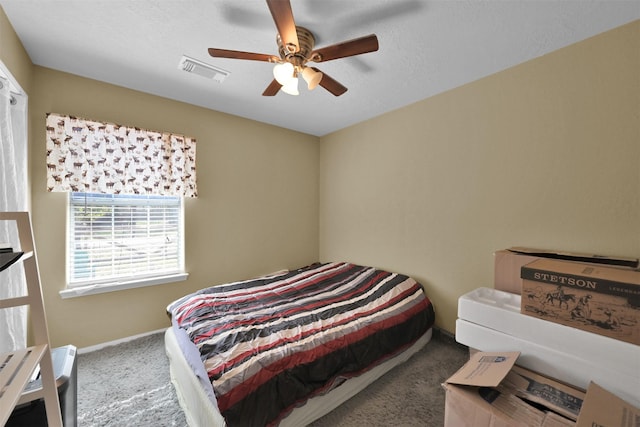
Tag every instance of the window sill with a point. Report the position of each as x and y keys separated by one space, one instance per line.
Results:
x=81 y=291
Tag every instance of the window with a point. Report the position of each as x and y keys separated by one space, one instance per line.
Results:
x=126 y=187
x=123 y=239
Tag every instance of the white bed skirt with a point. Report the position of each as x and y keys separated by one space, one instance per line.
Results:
x=200 y=411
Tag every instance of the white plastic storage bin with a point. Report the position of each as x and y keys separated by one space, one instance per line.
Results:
x=490 y=320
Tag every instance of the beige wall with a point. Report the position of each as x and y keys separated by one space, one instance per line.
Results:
x=12 y=53
x=545 y=154
x=256 y=211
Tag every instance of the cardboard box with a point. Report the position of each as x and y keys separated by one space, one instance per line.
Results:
x=603 y=408
x=490 y=320
x=489 y=391
x=506 y=270
x=508 y=262
x=594 y=298
x=551 y=363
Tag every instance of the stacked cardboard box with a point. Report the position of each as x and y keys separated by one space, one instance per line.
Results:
x=490 y=320
x=509 y=262
x=536 y=291
x=489 y=391
x=595 y=298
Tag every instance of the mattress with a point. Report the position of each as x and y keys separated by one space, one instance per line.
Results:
x=490 y=320
x=201 y=411
x=260 y=349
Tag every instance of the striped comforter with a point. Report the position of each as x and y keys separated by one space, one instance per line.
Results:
x=270 y=343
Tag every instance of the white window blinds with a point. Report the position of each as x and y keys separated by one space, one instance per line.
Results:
x=119 y=238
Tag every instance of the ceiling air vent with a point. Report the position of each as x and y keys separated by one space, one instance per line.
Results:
x=202 y=69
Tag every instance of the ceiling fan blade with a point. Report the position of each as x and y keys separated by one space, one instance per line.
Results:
x=236 y=54
x=272 y=89
x=348 y=48
x=330 y=84
x=283 y=17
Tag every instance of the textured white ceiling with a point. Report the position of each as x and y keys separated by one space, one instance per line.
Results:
x=426 y=47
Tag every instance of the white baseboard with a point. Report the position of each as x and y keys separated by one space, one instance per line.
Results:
x=118 y=341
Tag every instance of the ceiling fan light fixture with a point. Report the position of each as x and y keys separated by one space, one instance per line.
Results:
x=291 y=86
x=283 y=72
x=312 y=77
x=296 y=47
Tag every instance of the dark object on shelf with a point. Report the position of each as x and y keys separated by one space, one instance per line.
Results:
x=32 y=414
x=8 y=258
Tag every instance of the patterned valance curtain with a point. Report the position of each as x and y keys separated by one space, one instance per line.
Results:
x=94 y=157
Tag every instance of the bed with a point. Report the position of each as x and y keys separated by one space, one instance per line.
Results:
x=287 y=348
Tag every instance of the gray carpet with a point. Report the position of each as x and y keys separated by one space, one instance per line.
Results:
x=129 y=385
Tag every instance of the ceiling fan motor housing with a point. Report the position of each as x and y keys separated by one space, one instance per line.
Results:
x=306 y=42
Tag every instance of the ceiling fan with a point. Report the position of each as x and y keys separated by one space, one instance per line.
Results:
x=296 y=48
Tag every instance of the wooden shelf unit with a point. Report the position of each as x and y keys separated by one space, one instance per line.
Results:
x=17 y=367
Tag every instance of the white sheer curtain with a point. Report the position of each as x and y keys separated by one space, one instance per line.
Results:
x=13 y=197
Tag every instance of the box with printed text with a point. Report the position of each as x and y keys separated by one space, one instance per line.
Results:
x=508 y=262
x=594 y=298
